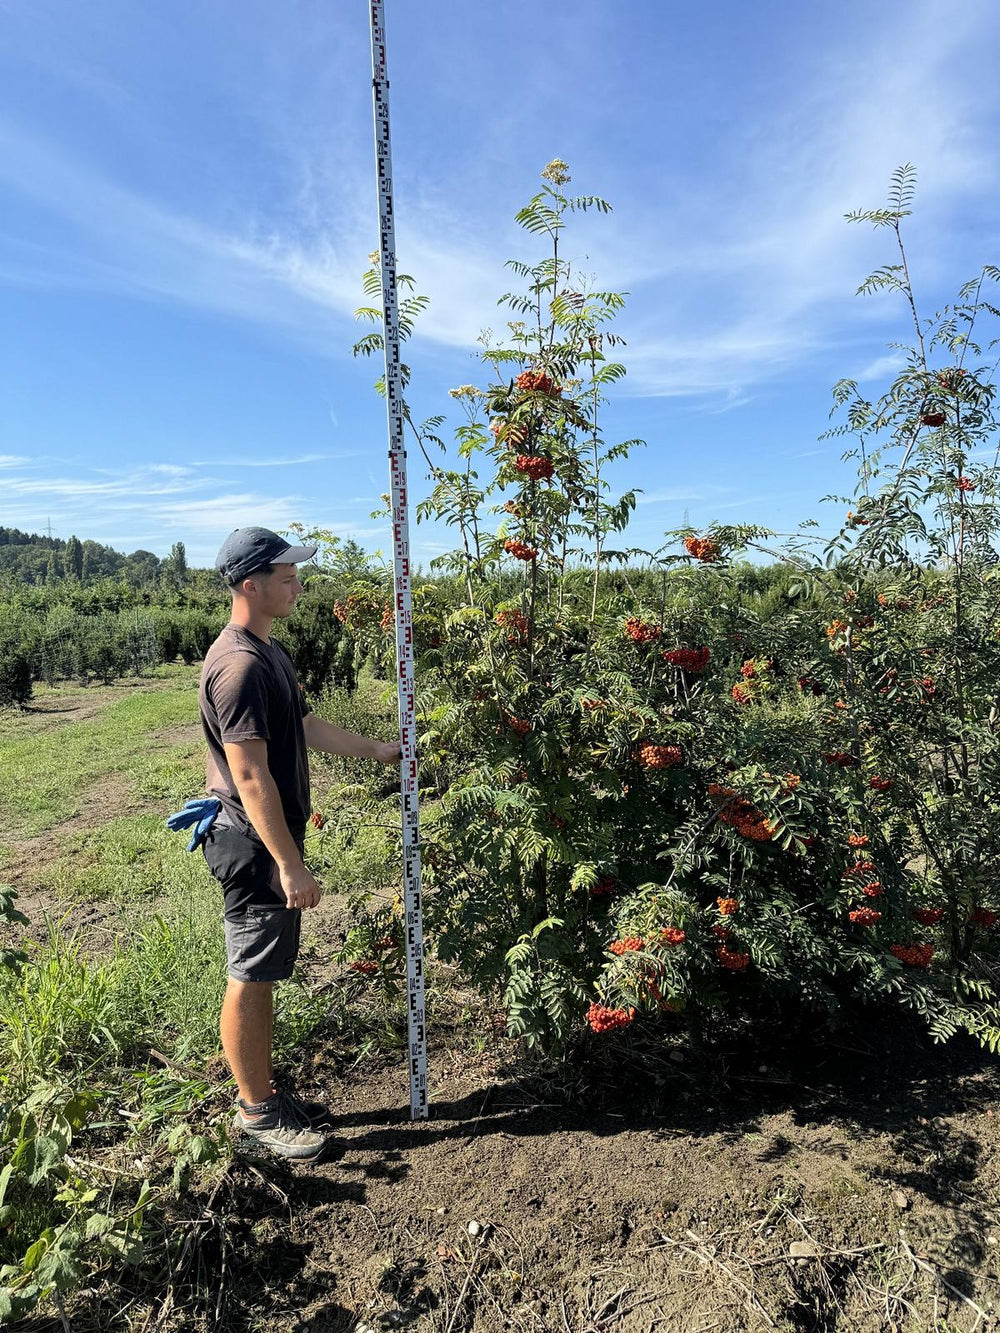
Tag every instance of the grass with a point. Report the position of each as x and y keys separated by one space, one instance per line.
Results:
x=130 y=859
x=45 y=768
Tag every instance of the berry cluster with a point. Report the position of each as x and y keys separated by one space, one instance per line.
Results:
x=632 y=944
x=603 y=1019
x=741 y=694
x=854 y=521
x=688 y=659
x=519 y=724
x=928 y=916
x=672 y=935
x=364 y=965
x=933 y=419
x=658 y=756
x=388 y=620
x=512 y=507
x=386 y=942
x=872 y=890
x=743 y=816
x=878 y=783
x=857 y=839
x=964 y=484
x=727 y=906
x=515 y=623
x=951 y=378
x=861 y=868
x=592 y=705
x=913 y=955
x=538 y=382
x=535 y=466
x=702 y=548
x=358 y=608
x=640 y=631
x=520 y=550
x=983 y=917
x=810 y=683
x=735 y=962
x=841 y=759
x=864 y=916
x=316 y=819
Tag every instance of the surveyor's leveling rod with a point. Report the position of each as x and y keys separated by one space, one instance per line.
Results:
x=401 y=575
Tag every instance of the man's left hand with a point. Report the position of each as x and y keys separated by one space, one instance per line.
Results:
x=387 y=752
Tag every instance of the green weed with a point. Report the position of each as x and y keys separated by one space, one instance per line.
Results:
x=62 y=1011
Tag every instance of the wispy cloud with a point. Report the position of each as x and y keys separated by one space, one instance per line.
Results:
x=881 y=368
x=278 y=462
x=740 y=277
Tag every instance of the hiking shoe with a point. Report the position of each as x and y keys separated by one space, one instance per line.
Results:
x=277 y=1126
x=316 y=1114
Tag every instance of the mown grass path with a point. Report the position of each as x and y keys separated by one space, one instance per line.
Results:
x=147 y=739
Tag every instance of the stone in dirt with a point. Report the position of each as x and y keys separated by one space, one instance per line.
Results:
x=804 y=1249
x=900 y=1199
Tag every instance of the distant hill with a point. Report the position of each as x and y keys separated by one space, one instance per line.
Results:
x=31 y=557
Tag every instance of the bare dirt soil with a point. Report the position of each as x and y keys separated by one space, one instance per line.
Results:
x=817 y=1188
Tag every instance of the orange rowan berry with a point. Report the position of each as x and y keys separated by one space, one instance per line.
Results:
x=535 y=466
x=603 y=1019
x=688 y=659
x=734 y=961
x=865 y=916
x=520 y=550
x=658 y=756
x=913 y=955
x=632 y=944
x=640 y=630
x=703 y=549
x=928 y=916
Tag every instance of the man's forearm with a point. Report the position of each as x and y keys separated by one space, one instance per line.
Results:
x=322 y=735
x=263 y=807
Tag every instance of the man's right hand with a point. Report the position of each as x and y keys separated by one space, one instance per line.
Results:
x=299 y=887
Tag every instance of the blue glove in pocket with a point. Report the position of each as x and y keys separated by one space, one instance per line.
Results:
x=201 y=812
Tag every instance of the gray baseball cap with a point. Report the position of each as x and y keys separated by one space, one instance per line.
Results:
x=248 y=549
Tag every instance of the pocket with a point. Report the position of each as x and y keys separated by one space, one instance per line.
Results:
x=268 y=895
x=228 y=854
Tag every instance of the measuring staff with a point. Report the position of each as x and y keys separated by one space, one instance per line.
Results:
x=401 y=579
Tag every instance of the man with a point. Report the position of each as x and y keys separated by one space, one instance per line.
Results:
x=258 y=725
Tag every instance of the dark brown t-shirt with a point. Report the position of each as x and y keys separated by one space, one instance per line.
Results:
x=249 y=692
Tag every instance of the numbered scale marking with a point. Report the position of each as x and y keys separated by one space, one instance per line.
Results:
x=401 y=576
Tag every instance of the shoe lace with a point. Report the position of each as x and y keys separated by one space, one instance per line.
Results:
x=289 y=1109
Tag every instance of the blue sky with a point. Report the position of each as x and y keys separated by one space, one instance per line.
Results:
x=187 y=203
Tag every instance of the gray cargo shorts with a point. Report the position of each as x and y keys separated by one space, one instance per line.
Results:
x=262 y=933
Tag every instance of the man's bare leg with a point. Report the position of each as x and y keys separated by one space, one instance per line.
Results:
x=245 y=1025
